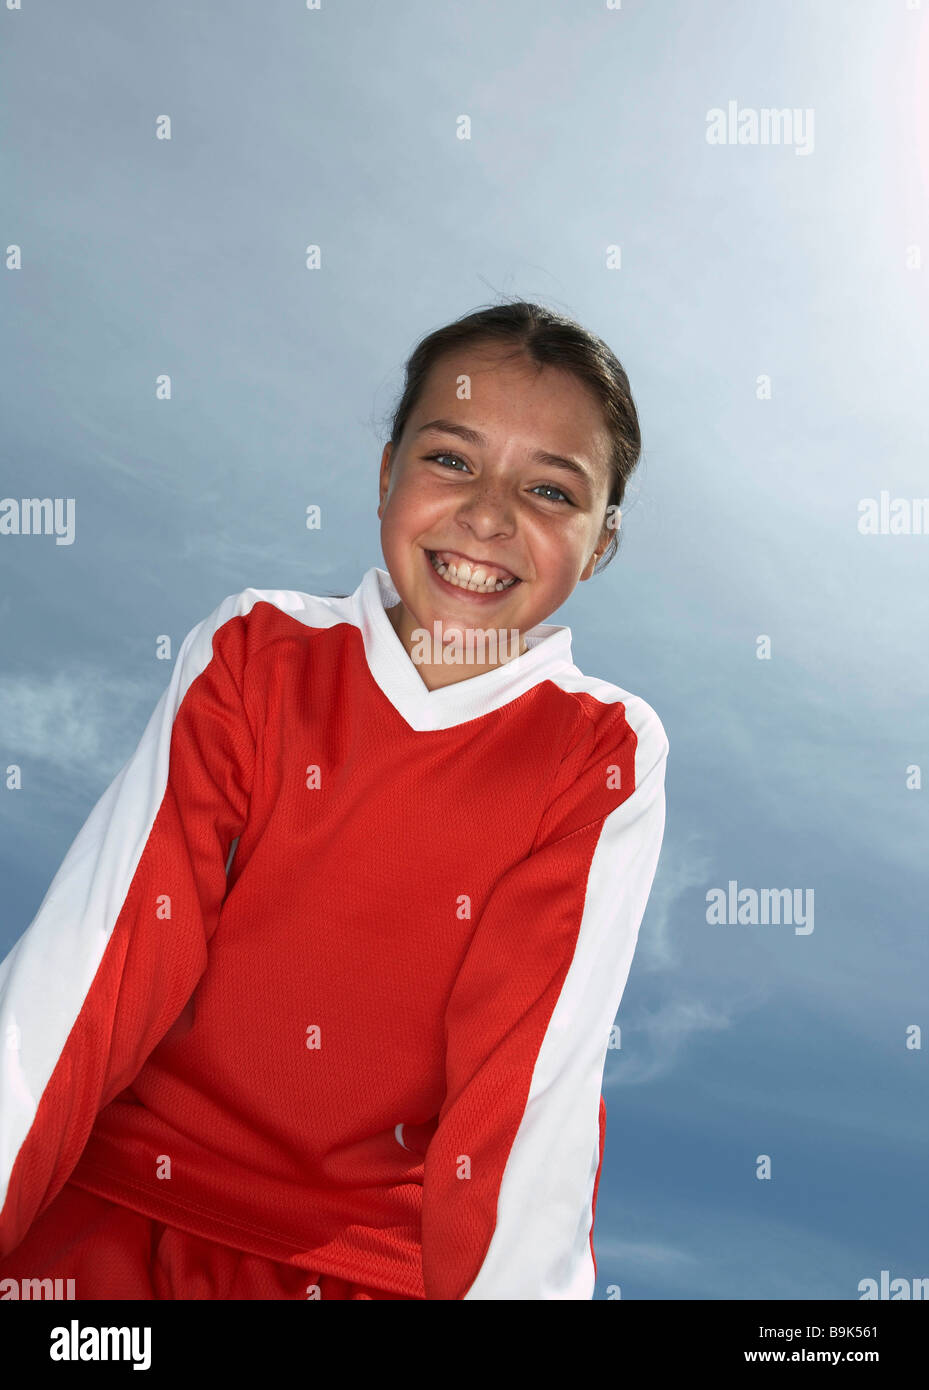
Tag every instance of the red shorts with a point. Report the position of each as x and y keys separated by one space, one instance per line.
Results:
x=111 y=1252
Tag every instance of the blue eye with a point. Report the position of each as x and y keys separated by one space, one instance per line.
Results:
x=445 y=456
x=550 y=487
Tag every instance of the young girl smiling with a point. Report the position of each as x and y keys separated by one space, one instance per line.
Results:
x=318 y=1003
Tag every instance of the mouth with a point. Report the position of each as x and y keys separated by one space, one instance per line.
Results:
x=468 y=577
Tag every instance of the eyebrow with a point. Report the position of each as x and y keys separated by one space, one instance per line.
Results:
x=470 y=436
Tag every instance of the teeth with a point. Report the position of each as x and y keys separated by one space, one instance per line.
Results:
x=461 y=575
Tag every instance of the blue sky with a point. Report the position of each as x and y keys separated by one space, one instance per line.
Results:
x=588 y=130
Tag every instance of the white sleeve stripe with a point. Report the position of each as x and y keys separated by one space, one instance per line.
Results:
x=546 y=1193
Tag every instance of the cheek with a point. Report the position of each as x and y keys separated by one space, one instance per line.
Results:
x=409 y=510
x=558 y=554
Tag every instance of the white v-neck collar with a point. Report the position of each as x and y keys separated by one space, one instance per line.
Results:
x=549 y=651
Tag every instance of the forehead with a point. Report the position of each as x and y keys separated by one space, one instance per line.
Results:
x=497 y=392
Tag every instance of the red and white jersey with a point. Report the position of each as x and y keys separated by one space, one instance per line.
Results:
x=330 y=971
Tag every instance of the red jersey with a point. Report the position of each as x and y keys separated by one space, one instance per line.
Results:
x=329 y=973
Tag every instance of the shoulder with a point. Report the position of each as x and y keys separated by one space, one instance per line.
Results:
x=611 y=718
x=247 y=621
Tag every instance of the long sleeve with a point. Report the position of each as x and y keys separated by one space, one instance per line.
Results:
x=120 y=939
x=512 y=1170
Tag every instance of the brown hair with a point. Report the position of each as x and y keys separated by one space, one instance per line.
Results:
x=546 y=338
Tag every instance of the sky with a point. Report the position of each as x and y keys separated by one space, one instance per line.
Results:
x=769 y=303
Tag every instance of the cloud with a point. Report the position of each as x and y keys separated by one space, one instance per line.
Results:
x=645 y=1253
x=659 y=1040
x=715 y=1252
x=230 y=553
x=82 y=721
x=681 y=867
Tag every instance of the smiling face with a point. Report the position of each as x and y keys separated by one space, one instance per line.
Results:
x=476 y=489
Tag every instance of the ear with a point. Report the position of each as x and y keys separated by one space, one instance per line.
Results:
x=602 y=544
x=384 y=479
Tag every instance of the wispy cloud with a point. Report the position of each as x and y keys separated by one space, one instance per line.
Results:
x=707 y=1249
x=235 y=555
x=81 y=720
x=683 y=865
x=660 y=1040
x=645 y=1253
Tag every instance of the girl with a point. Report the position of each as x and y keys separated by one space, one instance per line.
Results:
x=318 y=1003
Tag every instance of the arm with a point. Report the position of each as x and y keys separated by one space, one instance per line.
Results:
x=120 y=938
x=510 y=1175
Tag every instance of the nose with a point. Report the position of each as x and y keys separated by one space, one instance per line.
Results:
x=488 y=509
